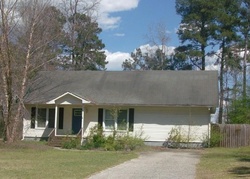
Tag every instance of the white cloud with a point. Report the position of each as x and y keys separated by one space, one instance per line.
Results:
x=211 y=63
x=115 y=60
x=118 y=5
x=148 y=48
x=119 y=35
x=105 y=20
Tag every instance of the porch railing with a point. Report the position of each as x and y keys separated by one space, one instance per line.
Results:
x=52 y=134
x=79 y=134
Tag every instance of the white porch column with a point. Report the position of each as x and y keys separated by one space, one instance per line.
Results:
x=82 y=127
x=56 y=119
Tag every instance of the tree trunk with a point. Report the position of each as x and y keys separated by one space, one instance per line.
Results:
x=221 y=84
x=203 y=64
x=245 y=69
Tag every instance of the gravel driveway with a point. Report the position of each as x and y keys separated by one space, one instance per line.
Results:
x=168 y=164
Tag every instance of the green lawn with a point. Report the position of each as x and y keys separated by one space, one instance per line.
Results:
x=30 y=160
x=224 y=163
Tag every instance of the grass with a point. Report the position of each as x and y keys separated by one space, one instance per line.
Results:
x=36 y=160
x=224 y=163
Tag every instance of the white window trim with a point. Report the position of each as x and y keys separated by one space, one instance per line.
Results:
x=47 y=118
x=115 y=121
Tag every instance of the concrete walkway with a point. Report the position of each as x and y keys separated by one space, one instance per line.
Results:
x=156 y=165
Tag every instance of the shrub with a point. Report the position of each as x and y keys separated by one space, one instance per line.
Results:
x=175 y=137
x=239 y=111
x=95 y=138
x=179 y=138
x=127 y=142
x=117 y=141
x=215 y=137
x=71 y=143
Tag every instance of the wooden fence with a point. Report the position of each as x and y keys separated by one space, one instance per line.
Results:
x=231 y=135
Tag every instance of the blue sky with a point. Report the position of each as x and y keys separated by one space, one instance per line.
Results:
x=134 y=25
x=126 y=22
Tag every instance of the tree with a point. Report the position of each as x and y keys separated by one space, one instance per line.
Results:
x=86 y=53
x=244 y=15
x=195 y=28
x=158 y=36
x=28 y=29
x=239 y=111
x=225 y=35
x=154 y=60
x=82 y=35
x=206 y=23
x=157 y=56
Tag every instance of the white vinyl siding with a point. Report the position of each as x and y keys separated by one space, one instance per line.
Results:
x=156 y=123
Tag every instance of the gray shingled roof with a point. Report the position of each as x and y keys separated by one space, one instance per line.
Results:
x=167 y=88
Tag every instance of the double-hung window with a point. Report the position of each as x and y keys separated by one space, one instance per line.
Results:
x=109 y=120
x=115 y=119
x=41 y=117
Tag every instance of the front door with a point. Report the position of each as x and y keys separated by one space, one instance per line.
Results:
x=76 y=120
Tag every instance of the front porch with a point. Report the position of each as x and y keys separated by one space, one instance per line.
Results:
x=57 y=141
x=59 y=118
x=69 y=123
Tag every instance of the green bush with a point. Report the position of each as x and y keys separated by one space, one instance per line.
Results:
x=117 y=141
x=239 y=112
x=215 y=138
x=71 y=143
x=95 y=138
x=176 y=137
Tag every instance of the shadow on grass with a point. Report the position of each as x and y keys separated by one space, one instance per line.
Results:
x=244 y=159
x=241 y=171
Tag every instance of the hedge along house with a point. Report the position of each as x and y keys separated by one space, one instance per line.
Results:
x=69 y=103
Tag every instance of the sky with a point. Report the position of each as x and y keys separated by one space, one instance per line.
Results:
x=125 y=23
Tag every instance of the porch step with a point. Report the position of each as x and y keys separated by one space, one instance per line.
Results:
x=57 y=141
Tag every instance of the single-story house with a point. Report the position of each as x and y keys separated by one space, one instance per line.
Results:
x=148 y=102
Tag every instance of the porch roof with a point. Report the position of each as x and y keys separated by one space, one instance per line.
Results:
x=164 y=88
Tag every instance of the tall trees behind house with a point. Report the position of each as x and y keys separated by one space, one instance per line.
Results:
x=244 y=15
x=82 y=36
x=154 y=60
x=207 y=25
x=194 y=30
x=225 y=35
x=156 y=57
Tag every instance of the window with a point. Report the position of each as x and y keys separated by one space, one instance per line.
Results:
x=122 y=120
x=41 y=117
x=109 y=120
x=116 y=119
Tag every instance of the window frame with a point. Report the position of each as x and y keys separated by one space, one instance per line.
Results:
x=116 y=120
x=36 y=118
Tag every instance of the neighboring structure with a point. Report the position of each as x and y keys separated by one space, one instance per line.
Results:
x=71 y=102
